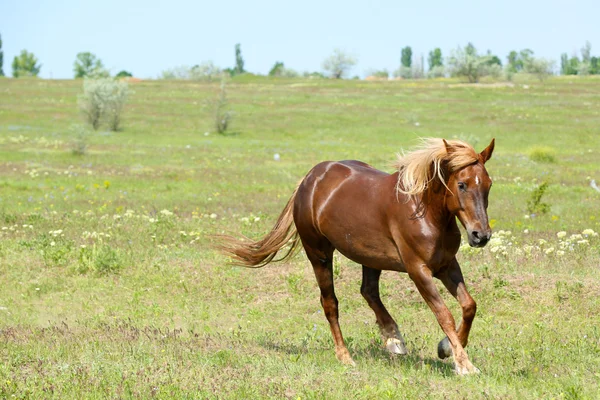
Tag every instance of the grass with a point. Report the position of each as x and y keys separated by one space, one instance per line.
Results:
x=110 y=287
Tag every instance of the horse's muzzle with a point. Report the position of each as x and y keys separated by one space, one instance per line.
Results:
x=479 y=239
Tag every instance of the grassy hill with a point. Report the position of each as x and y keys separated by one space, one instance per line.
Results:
x=110 y=287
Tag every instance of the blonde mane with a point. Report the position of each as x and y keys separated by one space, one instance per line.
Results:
x=421 y=166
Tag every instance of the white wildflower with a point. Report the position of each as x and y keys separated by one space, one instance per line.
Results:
x=561 y=234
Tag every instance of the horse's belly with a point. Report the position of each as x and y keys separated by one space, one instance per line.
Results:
x=377 y=253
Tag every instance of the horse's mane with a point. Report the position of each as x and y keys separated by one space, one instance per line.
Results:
x=421 y=166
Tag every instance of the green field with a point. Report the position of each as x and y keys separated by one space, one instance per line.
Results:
x=111 y=289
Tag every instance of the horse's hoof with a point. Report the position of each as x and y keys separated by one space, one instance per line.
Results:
x=444 y=349
x=395 y=346
x=467 y=370
x=345 y=358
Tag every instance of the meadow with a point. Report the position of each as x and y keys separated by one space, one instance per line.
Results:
x=111 y=287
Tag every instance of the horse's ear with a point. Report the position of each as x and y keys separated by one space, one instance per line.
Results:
x=486 y=154
x=449 y=148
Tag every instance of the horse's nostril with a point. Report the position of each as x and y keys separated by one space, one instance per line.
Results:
x=476 y=234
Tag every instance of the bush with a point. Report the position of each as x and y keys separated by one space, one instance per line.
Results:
x=543 y=154
x=103 y=100
x=539 y=67
x=206 y=71
x=382 y=74
x=403 y=72
x=338 y=64
x=25 y=64
x=124 y=74
x=102 y=260
x=535 y=204
x=437 y=72
x=223 y=113
x=280 y=70
x=468 y=64
x=80 y=143
x=87 y=65
x=313 y=75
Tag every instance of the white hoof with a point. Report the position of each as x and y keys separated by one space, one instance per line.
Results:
x=467 y=370
x=396 y=346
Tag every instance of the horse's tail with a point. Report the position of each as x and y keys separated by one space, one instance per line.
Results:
x=256 y=254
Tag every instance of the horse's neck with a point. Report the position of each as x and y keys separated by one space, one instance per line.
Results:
x=434 y=199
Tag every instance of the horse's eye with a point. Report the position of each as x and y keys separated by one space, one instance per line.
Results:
x=462 y=186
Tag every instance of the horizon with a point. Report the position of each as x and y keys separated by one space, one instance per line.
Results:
x=146 y=38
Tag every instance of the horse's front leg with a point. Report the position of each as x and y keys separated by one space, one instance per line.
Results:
x=423 y=279
x=452 y=278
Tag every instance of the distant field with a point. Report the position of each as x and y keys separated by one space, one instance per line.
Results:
x=110 y=287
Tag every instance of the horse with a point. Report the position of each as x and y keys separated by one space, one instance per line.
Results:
x=404 y=221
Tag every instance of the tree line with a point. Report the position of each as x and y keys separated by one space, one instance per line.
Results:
x=465 y=62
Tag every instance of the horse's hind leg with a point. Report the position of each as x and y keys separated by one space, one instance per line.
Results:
x=394 y=342
x=321 y=258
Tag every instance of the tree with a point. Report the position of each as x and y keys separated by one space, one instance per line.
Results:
x=513 y=62
x=1 y=58
x=517 y=61
x=88 y=65
x=566 y=65
x=574 y=65
x=469 y=64
x=406 y=57
x=280 y=70
x=586 y=52
x=435 y=58
x=25 y=64
x=124 y=74
x=276 y=69
x=470 y=49
x=539 y=67
x=595 y=66
x=338 y=63
x=492 y=59
x=239 y=61
x=585 y=66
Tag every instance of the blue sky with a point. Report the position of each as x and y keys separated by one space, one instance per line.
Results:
x=146 y=37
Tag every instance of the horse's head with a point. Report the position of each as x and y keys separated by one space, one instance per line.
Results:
x=469 y=187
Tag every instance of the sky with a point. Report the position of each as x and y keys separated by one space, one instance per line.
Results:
x=147 y=37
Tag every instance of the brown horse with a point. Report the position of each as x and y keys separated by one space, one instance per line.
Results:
x=403 y=222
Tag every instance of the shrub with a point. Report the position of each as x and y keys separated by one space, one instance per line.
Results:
x=124 y=74
x=535 y=204
x=207 y=71
x=338 y=63
x=87 y=65
x=539 y=67
x=280 y=70
x=25 y=64
x=542 y=154
x=383 y=74
x=80 y=142
x=223 y=113
x=101 y=259
x=437 y=72
x=313 y=75
x=403 y=72
x=468 y=64
x=103 y=100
